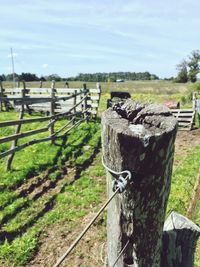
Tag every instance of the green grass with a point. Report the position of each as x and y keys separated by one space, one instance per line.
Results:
x=23 y=218
x=153 y=87
x=73 y=203
x=183 y=181
x=69 y=202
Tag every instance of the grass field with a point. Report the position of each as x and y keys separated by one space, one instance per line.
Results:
x=52 y=189
x=152 y=87
x=155 y=91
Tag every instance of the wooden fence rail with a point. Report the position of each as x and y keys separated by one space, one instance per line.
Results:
x=18 y=101
x=41 y=99
x=36 y=141
x=58 y=116
x=78 y=111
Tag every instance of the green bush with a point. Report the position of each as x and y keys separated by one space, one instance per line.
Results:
x=196 y=87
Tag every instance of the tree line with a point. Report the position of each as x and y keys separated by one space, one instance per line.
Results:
x=113 y=76
x=86 y=77
x=189 y=68
x=29 y=77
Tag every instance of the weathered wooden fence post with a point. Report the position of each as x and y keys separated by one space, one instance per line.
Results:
x=1 y=95
x=66 y=85
x=179 y=241
x=194 y=97
x=40 y=86
x=18 y=128
x=75 y=98
x=98 y=86
x=140 y=138
x=196 y=104
x=84 y=106
x=52 y=108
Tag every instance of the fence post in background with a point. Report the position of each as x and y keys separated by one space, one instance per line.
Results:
x=26 y=95
x=75 y=98
x=1 y=95
x=66 y=85
x=194 y=97
x=138 y=137
x=52 y=108
x=98 y=86
x=18 y=128
x=85 y=102
x=179 y=241
x=18 y=84
x=41 y=84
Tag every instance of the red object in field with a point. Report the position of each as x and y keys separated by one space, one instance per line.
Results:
x=172 y=104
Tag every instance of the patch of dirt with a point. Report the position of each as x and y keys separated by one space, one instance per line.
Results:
x=185 y=141
x=90 y=251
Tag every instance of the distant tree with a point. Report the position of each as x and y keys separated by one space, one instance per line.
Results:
x=2 y=77
x=154 y=77
x=196 y=87
x=146 y=76
x=188 y=69
x=28 y=77
x=193 y=64
x=9 y=77
x=111 y=79
x=104 y=77
x=182 y=76
x=54 y=77
x=169 y=78
x=43 y=79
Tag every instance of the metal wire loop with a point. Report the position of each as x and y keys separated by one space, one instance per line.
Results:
x=121 y=182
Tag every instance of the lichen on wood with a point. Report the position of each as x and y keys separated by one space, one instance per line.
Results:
x=138 y=137
x=179 y=241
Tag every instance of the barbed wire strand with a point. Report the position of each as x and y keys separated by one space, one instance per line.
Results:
x=122 y=251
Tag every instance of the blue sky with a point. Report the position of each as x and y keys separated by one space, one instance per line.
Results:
x=68 y=37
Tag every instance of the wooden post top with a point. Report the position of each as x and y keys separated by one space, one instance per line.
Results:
x=141 y=127
x=176 y=221
x=140 y=119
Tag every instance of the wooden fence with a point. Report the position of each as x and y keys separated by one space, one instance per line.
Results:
x=48 y=99
x=185 y=118
x=74 y=105
x=196 y=103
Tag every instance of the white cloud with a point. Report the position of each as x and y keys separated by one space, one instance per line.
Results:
x=45 y=65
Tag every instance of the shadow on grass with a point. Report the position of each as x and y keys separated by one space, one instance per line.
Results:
x=11 y=235
x=48 y=205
